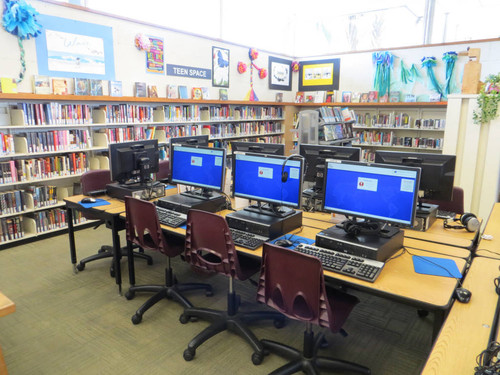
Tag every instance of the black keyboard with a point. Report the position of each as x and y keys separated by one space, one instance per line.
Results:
x=442 y=214
x=171 y=218
x=345 y=264
x=249 y=240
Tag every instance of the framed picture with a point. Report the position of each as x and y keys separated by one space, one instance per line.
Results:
x=319 y=75
x=280 y=77
x=220 y=67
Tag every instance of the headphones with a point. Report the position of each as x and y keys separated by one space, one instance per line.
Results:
x=284 y=174
x=467 y=221
x=355 y=229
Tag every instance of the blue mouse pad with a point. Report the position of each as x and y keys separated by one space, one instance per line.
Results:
x=294 y=239
x=436 y=266
x=183 y=226
x=168 y=187
x=98 y=202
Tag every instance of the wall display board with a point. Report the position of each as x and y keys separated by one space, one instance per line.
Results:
x=280 y=77
x=220 y=67
x=319 y=75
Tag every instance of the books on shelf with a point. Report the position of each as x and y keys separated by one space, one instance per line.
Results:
x=384 y=98
x=183 y=92
x=372 y=96
x=279 y=97
x=196 y=93
x=363 y=98
x=41 y=85
x=299 y=97
x=355 y=98
x=330 y=97
x=346 y=96
x=96 y=87
x=59 y=86
x=435 y=97
x=309 y=97
x=152 y=91
x=82 y=86
x=319 y=96
x=8 y=85
x=115 y=88
x=205 y=93
x=172 y=92
x=222 y=94
x=140 y=90
x=394 y=96
x=410 y=98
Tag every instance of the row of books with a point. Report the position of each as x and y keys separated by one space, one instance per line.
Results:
x=41 y=168
x=336 y=114
x=43 y=196
x=12 y=202
x=336 y=131
x=391 y=139
x=6 y=144
x=50 y=219
x=358 y=97
x=397 y=120
x=368 y=155
x=55 y=113
x=57 y=140
x=129 y=133
x=265 y=139
x=131 y=113
x=11 y=228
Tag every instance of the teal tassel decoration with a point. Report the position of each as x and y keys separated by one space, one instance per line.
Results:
x=383 y=65
x=429 y=63
x=449 y=58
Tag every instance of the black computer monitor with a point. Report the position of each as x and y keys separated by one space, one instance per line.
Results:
x=315 y=156
x=195 y=140
x=198 y=166
x=258 y=147
x=438 y=171
x=260 y=177
x=374 y=192
x=133 y=162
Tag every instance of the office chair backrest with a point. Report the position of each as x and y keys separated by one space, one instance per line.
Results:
x=143 y=226
x=96 y=179
x=455 y=205
x=209 y=244
x=163 y=170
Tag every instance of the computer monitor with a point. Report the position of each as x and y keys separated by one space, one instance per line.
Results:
x=133 y=162
x=315 y=156
x=195 y=140
x=258 y=147
x=374 y=192
x=260 y=177
x=438 y=171
x=198 y=166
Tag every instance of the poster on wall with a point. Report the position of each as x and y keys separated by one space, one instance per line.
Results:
x=155 y=61
x=69 y=48
x=319 y=75
x=220 y=67
x=279 y=74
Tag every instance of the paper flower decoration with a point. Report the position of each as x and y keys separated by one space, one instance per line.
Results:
x=19 y=19
x=295 y=66
x=253 y=54
x=262 y=73
x=383 y=65
x=142 y=42
x=449 y=58
x=429 y=63
x=242 y=67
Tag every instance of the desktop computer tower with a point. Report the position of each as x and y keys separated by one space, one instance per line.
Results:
x=425 y=217
x=118 y=191
x=183 y=203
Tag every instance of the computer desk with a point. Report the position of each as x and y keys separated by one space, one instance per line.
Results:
x=6 y=307
x=491 y=248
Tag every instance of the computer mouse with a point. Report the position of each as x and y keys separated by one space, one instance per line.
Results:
x=284 y=243
x=463 y=295
x=88 y=200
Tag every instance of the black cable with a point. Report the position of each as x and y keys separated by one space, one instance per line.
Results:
x=487 y=361
x=396 y=256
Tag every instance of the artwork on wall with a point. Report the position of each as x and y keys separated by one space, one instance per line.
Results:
x=155 y=61
x=280 y=77
x=220 y=67
x=319 y=75
x=69 y=48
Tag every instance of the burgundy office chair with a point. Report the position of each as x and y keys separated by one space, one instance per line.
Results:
x=293 y=284
x=95 y=181
x=143 y=229
x=163 y=170
x=455 y=205
x=209 y=247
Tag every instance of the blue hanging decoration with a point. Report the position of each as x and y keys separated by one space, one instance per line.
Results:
x=383 y=65
x=449 y=58
x=19 y=19
x=414 y=72
x=429 y=63
x=406 y=76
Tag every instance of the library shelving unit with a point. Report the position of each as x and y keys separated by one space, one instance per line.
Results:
x=48 y=141
x=415 y=126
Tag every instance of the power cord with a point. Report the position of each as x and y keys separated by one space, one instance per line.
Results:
x=488 y=360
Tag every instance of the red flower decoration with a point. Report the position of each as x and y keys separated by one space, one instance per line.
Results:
x=242 y=67
x=262 y=73
x=295 y=66
x=253 y=54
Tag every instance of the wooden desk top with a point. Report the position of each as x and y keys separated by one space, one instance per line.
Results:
x=467 y=328
x=115 y=204
x=6 y=305
x=491 y=248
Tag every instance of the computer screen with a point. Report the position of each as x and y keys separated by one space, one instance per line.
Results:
x=198 y=166
x=438 y=171
x=259 y=177
x=258 y=147
x=376 y=192
x=195 y=140
x=132 y=162
x=315 y=155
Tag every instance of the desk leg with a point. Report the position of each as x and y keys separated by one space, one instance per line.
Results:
x=71 y=235
x=117 y=253
x=438 y=322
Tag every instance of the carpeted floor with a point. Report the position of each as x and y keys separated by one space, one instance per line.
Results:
x=79 y=324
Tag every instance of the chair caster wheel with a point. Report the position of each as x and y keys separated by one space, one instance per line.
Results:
x=183 y=319
x=257 y=358
x=80 y=266
x=189 y=354
x=150 y=262
x=279 y=323
x=136 y=318
x=422 y=313
x=209 y=293
x=111 y=272
x=129 y=295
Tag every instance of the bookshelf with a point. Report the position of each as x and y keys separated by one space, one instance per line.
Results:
x=48 y=141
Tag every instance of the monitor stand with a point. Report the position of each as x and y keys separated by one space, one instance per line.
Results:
x=184 y=202
x=139 y=190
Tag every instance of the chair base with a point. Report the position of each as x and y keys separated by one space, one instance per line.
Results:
x=310 y=364
x=236 y=323
x=173 y=292
x=107 y=252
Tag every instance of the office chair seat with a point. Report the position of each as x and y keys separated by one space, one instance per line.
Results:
x=302 y=295
x=209 y=247
x=143 y=229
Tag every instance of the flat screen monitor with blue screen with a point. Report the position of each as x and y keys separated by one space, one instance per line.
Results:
x=198 y=166
x=259 y=177
x=377 y=192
